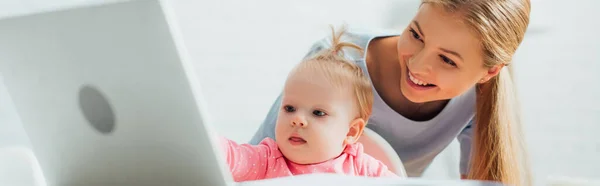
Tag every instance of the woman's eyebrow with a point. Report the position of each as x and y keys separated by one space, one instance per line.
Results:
x=452 y=52
x=419 y=28
x=443 y=49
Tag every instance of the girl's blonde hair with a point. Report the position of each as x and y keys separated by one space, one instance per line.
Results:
x=498 y=146
x=332 y=63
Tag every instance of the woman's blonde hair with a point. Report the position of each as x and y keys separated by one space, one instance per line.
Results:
x=498 y=146
x=332 y=63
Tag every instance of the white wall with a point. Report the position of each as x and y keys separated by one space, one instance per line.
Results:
x=558 y=72
x=239 y=46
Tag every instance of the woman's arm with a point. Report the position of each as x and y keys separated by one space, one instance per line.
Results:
x=267 y=128
x=465 y=138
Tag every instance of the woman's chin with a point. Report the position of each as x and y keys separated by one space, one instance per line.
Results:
x=412 y=97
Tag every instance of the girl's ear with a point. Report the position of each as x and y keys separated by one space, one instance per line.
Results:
x=357 y=126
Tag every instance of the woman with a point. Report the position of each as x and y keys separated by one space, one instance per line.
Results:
x=445 y=77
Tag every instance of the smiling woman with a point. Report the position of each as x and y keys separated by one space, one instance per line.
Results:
x=441 y=63
x=443 y=78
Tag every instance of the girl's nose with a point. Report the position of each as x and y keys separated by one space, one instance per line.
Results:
x=299 y=121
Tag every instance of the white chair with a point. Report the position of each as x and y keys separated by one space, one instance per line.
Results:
x=379 y=148
x=18 y=166
x=571 y=181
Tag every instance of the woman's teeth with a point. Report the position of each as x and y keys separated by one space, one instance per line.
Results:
x=416 y=81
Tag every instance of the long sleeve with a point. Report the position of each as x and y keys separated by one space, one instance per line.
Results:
x=465 y=139
x=372 y=167
x=245 y=161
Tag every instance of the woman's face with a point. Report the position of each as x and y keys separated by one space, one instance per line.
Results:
x=440 y=57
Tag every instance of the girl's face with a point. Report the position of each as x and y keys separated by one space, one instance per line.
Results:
x=317 y=119
x=440 y=56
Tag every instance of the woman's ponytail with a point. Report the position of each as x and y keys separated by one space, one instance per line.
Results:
x=499 y=152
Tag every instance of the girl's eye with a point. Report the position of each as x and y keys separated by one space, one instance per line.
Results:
x=447 y=60
x=319 y=113
x=415 y=35
x=288 y=108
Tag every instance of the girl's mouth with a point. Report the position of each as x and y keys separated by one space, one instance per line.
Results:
x=296 y=141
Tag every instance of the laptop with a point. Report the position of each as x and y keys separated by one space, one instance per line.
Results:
x=107 y=96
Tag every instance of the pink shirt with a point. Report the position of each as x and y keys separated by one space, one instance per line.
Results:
x=254 y=162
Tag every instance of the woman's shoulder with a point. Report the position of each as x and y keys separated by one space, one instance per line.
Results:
x=355 y=35
x=359 y=35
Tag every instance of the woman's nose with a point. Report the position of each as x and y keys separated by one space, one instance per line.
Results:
x=420 y=63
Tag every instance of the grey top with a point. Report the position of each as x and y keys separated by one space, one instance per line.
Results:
x=416 y=142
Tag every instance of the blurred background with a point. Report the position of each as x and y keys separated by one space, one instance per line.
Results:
x=244 y=49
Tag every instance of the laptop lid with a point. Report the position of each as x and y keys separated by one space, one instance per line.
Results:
x=107 y=97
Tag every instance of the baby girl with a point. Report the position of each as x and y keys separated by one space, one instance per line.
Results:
x=326 y=103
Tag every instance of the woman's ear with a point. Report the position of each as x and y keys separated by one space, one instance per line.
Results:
x=491 y=73
x=357 y=126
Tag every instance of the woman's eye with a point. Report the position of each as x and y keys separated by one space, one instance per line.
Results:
x=415 y=35
x=447 y=60
x=288 y=108
x=319 y=113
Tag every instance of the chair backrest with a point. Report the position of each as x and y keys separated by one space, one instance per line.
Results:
x=18 y=166
x=380 y=149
